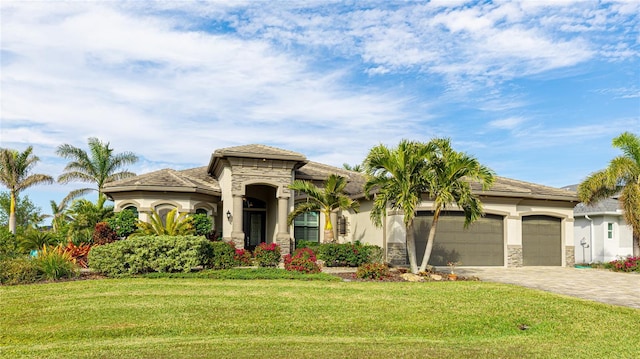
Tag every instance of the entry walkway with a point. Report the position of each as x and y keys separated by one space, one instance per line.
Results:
x=593 y=284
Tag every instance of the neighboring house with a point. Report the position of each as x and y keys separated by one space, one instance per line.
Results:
x=244 y=189
x=601 y=234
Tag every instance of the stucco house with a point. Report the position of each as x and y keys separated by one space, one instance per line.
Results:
x=245 y=191
x=600 y=233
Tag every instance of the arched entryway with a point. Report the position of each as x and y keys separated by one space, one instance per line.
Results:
x=259 y=214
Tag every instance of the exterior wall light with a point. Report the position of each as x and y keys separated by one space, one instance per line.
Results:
x=229 y=215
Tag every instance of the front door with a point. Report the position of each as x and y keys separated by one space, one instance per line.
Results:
x=254 y=229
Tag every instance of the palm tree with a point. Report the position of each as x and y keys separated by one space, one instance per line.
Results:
x=355 y=168
x=397 y=176
x=176 y=224
x=14 y=173
x=99 y=166
x=327 y=199
x=59 y=215
x=622 y=177
x=448 y=177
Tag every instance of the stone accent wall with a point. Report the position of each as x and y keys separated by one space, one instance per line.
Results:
x=570 y=253
x=397 y=253
x=514 y=256
x=274 y=172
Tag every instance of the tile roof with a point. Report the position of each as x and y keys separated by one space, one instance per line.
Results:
x=258 y=151
x=314 y=171
x=508 y=187
x=190 y=180
x=608 y=205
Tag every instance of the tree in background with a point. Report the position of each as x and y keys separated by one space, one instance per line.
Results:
x=327 y=199
x=621 y=178
x=99 y=166
x=84 y=216
x=15 y=168
x=355 y=168
x=27 y=214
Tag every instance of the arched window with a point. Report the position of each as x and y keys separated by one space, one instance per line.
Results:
x=201 y=211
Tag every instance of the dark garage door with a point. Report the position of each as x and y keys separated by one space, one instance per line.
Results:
x=482 y=244
x=541 y=241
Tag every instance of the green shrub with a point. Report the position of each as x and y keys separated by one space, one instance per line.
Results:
x=222 y=255
x=20 y=270
x=345 y=254
x=372 y=271
x=303 y=260
x=267 y=255
x=123 y=222
x=143 y=254
x=35 y=239
x=308 y=244
x=8 y=244
x=54 y=263
x=201 y=224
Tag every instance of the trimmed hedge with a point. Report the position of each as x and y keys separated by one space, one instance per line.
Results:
x=345 y=254
x=144 y=254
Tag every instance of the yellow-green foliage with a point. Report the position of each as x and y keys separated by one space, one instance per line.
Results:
x=176 y=224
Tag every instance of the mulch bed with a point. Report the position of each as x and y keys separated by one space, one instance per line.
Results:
x=395 y=275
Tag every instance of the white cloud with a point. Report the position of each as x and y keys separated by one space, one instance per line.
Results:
x=507 y=123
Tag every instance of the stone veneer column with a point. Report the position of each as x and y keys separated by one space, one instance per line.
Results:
x=237 y=234
x=514 y=256
x=570 y=253
x=282 y=237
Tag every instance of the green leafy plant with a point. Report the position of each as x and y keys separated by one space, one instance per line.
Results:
x=143 y=254
x=8 y=244
x=267 y=255
x=54 y=263
x=345 y=254
x=123 y=222
x=222 y=255
x=35 y=239
x=202 y=224
x=175 y=224
x=303 y=260
x=20 y=270
x=372 y=271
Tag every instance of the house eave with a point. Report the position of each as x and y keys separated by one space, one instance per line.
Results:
x=120 y=189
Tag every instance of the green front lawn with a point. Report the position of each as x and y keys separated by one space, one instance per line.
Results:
x=205 y=318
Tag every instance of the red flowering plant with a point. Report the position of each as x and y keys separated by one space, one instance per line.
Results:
x=303 y=260
x=267 y=255
x=243 y=257
x=628 y=264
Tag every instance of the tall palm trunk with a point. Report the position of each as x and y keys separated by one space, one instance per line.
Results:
x=12 y=213
x=430 y=240
x=411 y=247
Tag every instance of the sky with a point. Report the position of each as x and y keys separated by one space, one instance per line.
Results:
x=536 y=90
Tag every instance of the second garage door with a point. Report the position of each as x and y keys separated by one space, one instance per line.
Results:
x=482 y=244
x=541 y=241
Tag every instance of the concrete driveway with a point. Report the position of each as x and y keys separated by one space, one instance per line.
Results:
x=593 y=284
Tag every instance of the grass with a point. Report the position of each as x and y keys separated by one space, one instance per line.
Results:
x=205 y=318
